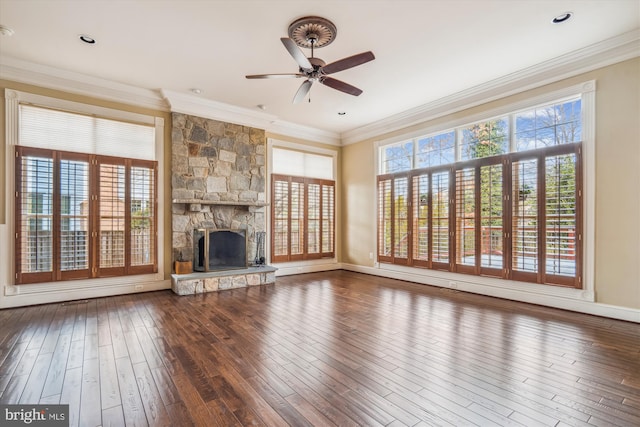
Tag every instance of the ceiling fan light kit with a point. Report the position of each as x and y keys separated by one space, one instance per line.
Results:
x=315 y=32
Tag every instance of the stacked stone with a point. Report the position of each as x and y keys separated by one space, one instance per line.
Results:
x=214 y=161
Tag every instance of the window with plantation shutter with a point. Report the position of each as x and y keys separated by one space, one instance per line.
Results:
x=67 y=231
x=82 y=209
x=488 y=199
x=302 y=218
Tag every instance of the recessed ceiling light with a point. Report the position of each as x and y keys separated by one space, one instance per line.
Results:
x=342 y=113
x=562 y=18
x=6 y=31
x=87 y=39
x=196 y=91
x=261 y=106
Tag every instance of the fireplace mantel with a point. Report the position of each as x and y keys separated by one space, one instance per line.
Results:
x=219 y=202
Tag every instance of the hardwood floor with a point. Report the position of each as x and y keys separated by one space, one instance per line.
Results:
x=335 y=348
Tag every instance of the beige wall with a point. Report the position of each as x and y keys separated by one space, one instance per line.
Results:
x=617 y=252
x=108 y=104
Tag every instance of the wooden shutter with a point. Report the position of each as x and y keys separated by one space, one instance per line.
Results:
x=421 y=188
x=142 y=208
x=35 y=246
x=491 y=233
x=525 y=248
x=385 y=219
x=279 y=218
x=440 y=220
x=466 y=233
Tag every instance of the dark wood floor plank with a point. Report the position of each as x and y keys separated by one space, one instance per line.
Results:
x=51 y=340
x=165 y=386
x=90 y=409
x=13 y=391
x=71 y=394
x=113 y=417
x=117 y=334
x=76 y=354
x=154 y=408
x=132 y=405
x=197 y=409
x=109 y=388
x=33 y=388
x=334 y=348
x=179 y=415
x=104 y=330
x=10 y=363
x=308 y=411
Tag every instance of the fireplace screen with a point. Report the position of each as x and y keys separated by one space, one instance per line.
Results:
x=215 y=250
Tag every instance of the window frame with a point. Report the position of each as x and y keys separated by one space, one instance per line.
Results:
x=303 y=265
x=66 y=289
x=584 y=90
x=304 y=254
x=93 y=223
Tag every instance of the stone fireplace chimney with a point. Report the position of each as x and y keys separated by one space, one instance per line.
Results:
x=217 y=180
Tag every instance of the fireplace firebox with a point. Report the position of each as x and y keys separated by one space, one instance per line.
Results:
x=215 y=250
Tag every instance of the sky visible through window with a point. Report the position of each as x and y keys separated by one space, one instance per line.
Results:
x=543 y=126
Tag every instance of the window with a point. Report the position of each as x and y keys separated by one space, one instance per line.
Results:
x=302 y=205
x=508 y=207
x=84 y=214
x=303 y=218
x=67 y=231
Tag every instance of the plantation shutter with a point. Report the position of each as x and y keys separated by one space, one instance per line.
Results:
x=421 y=226
x=466 y=225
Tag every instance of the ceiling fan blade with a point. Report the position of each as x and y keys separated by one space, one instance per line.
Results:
x=341 y=86
x=302 y=91
x=350 y=62
x=296 y=53
x=274 y=76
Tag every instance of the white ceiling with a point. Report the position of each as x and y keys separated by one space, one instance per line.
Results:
x=425 y=50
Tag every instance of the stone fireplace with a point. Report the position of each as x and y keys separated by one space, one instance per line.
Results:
x=218 y=179
x=215 y=250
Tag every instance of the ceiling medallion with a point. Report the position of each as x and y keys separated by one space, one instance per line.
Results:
x=312 y=31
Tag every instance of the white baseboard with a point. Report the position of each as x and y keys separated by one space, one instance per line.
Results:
x=19 y=296
x=288 y=269
x=581 y=306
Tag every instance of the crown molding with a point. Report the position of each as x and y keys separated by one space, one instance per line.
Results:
x=208 y=109
x=201 y=107
x=602 y=54
x=295 y=130
x=81 y=84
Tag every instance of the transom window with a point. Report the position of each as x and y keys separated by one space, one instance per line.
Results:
x=499 y=197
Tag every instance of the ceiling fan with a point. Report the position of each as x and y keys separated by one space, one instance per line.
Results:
x=315 y=32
